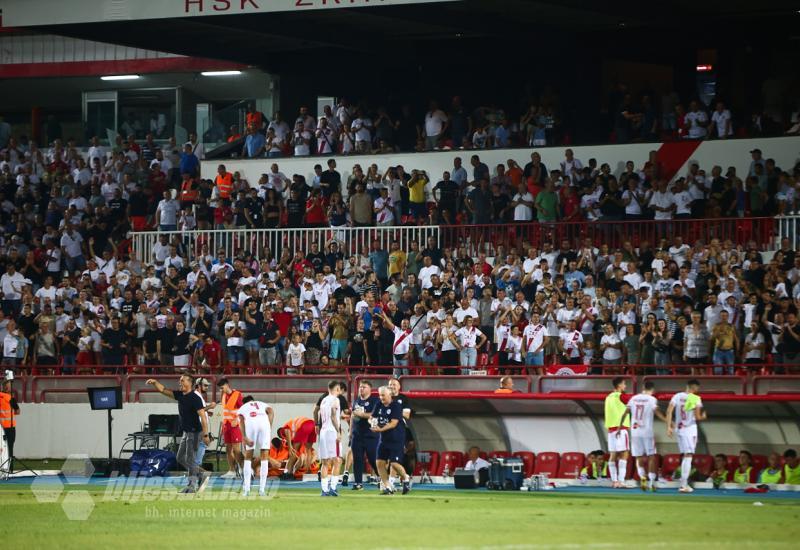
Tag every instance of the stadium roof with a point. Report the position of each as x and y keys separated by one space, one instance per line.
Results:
x=284 y=41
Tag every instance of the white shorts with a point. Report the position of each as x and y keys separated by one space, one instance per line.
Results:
x=328 y=445
x=618 y=444
x=687 y=440
x=259 y=433
x=643 y=446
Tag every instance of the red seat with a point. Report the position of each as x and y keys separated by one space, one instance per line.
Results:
x=670 y=464
x=733 y=462
x=430 y=467
x=632 y=464
x=571 y=465
x=450 y=460
x=528 y=461
x=499 y=454
x=760 y=462
x=547 y=463
x=481 y=454
x=703 y=463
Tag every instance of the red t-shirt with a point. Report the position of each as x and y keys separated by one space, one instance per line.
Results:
x=283 y=319
x=314 y=212
x=572 y=207
x=212 y=353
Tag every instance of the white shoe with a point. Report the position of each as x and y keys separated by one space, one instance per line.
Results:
x=262 y=493
x=228 y=475
x=686 y=489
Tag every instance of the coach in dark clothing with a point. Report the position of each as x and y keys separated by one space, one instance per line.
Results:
x=363 y=441
x=193 y=423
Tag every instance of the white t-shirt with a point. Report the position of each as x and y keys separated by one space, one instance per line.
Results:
x=460 y=313
x=468 y=337
x=692 y=119
x=235 y=341
x=754 y=339
x=328 y=410
x=364 y=125
x=571 y=341
x=683 y=418
x=301 y=143
x=632 y=208
x=662 y=200
x=683 y=201
x=522 y=212
x=642 y=407
x=720 y=121
x=534 y=337
x=434 y=122
x=611 y=354
x=12 y=285
x=295 y=353
x=477 y=464
x=425 y=274
x=402 y=341
x=514 y=348
x=322 y=292
x=72 y=244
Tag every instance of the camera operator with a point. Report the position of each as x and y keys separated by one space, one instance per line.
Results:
x=9 y=411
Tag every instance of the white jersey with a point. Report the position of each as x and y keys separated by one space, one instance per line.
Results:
x=642 y=409
x=683 y=418
x=256 y=424
x=328 y=410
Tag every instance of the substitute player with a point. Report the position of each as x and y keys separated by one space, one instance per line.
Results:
x=618 y=442
x=387 y=421
x=686 y=408
x=255 y=418
x=330 y=437
x=643 y=408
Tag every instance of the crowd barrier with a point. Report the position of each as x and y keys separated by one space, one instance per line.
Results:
x=487 y=239
x=71 y=388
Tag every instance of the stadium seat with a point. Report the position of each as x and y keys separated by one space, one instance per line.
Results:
x=760 y=462
x=547 y=463
x=499 y=454
x=481 y=454
x=733 y=462
x=670 y=464
x=703 y=463
x=431 y=466
x=528 y=461
x=571 y=465
x=635 y=473
x=450 y=460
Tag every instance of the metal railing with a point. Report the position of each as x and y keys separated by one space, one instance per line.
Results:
x=476 y=238
x=352 y=240
x=788 y=227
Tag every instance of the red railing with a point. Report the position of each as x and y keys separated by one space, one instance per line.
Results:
x=487 y=238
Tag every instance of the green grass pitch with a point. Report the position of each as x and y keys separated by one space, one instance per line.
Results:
x=299 y=518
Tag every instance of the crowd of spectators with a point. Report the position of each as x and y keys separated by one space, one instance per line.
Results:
x=74 y=294
x=361 y=129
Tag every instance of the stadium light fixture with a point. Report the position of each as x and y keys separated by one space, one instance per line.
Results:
x=120 y=77
x=221 y=73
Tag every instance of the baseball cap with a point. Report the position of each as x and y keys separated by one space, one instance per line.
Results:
x=202 y=382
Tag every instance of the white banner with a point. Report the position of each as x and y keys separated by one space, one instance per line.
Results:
x=29 y=13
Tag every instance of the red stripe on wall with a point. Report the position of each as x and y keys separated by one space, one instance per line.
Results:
x=674 y=154
x=127 y=66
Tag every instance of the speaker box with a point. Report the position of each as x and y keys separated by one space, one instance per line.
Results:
x=104 y=468
x=465 y=479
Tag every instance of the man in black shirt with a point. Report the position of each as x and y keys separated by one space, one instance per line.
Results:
x=410 y=448
x=447 y=202
x=330 y=180
x=193 y=423
x=295 y=210
x=113 y=343
x=363 y=441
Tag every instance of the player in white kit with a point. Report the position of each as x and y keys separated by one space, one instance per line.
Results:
x=255 y=420
x=642 y=408
x=330 y=435
x=686 y=408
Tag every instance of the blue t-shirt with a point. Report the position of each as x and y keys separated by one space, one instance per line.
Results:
x=361 y=425
x=189 y=163
x=380 y=263
x=385 y=414
x=253 y=143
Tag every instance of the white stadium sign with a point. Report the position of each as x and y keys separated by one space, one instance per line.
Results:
x=30 y=13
